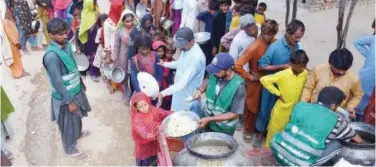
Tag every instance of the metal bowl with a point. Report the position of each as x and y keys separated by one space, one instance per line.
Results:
x=82 y=62
x=202 y=37
x=166 y=23
x=118 y=74
x=184 y=114
x=212 y=139
x=141 y=10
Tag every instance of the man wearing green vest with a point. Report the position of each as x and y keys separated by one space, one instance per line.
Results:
x=313 y=135
x=225 y=96
x=69 y=103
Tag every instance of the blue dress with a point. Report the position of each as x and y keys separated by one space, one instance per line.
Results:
x=366 y=46
x=278 y=53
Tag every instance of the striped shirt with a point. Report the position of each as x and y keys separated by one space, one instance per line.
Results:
x=342 y=131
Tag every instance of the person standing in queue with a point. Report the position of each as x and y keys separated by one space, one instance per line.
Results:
x=225 y=96
x=310 y=140
x=275 y=59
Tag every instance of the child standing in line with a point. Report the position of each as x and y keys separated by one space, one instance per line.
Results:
x=235 y=17
x=207 y=18
x=159 y=36
x=100 y=55
x=160 y=47
x=145 y=122
x=260 y=13
x=219 y=25
x=288 y=86
x=75 y=29
x=165 y=53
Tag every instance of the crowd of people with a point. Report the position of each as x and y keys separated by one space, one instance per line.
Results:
x=252 y=81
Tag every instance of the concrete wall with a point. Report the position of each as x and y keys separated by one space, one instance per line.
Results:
x=317 y=5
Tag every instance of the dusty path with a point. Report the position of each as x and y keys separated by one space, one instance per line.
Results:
x=109 y=122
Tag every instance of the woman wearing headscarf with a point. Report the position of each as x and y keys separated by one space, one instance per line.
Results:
x=146 y=120
x=61 y=8
x=110 y=25
x=87 y=33
x=123 y=49
x=11 y=45
x=147 y=26
x=23 y=18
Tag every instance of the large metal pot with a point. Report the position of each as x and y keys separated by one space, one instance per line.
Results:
x=192 y=118
x=233 y=155
x=361 y=154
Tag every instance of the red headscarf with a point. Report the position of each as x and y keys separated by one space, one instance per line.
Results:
x=145 y=127
x=62 y=4
x=115 y=10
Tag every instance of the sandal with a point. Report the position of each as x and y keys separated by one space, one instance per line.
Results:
x=247 y=137
x=78 y=155
x=83 y=134
x=8 y=154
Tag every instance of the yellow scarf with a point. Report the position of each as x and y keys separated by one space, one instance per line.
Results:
x=89 y=16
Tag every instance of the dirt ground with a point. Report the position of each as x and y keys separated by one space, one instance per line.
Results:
x=37 y=140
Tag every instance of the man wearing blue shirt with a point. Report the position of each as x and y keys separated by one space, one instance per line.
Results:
x=277 y=58
x=366 y=46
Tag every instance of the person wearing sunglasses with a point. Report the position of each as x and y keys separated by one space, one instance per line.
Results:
x=335 y=73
